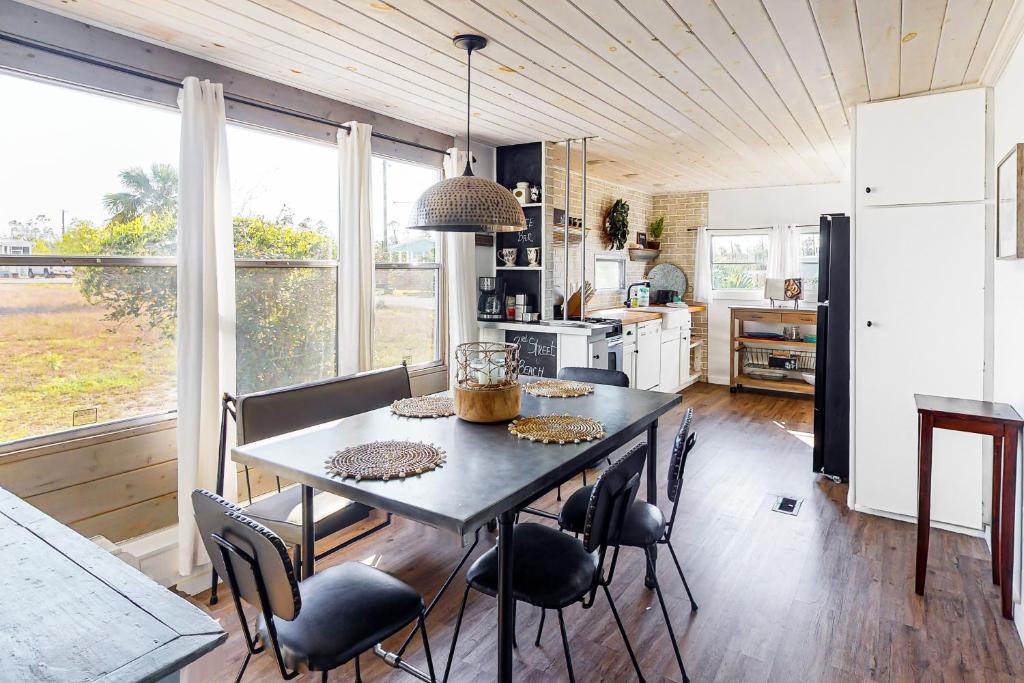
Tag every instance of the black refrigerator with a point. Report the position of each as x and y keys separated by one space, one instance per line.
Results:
x=832 y=363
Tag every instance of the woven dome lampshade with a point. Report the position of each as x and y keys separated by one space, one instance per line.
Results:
x=467 y=203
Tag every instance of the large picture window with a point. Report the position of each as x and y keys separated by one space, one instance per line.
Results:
x=88 y=235
x=85 y=340
x=407 y=315
x=284 y=204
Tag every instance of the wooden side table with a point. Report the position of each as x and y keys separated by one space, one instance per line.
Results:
x=1003 y=424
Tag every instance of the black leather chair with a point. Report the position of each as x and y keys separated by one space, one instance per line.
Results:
x=552 y=570
x=613 y=378
x=264 y=414
x=316 y=625
x=645 y=526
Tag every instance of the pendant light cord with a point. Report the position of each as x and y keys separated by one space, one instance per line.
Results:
x=469 y=87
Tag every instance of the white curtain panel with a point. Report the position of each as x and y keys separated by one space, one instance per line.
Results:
x=783 y=252
x=355 y=250
x=460 y=266
x=702 y=269
x=206 y=303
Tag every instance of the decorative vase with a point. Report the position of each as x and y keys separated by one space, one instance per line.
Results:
x=522 y=192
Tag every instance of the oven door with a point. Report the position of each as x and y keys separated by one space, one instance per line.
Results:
x=615 y=360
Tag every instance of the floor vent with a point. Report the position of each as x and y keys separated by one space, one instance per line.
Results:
x=787 y=505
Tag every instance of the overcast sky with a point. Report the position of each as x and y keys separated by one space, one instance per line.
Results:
x=62 y=149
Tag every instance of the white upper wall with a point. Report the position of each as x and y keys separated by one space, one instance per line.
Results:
x=1008 y=319
x=766 y=206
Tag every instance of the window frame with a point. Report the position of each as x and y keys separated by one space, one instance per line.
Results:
x=621 y=262
x=734 y=293
x=142 y=422
x=440 y=337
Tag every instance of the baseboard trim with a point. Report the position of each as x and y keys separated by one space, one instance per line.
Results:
x=955 y=528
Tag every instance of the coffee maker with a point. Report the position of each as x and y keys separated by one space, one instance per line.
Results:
x=491 y=303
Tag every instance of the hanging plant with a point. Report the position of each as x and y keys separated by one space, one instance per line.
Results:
x=616 y=224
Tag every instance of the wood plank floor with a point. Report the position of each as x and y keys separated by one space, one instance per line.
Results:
x=823 y=596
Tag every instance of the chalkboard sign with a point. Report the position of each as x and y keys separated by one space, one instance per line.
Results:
x=538 y=352
x=531 y=237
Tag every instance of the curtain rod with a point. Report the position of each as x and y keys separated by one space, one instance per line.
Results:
x=763 y=227
x=238 y=99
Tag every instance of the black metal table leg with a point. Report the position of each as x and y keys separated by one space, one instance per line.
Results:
x=506 y=602
x=652 y=492
x=307 y=532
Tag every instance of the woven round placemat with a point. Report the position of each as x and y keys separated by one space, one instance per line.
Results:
x=424 y=406
x=560 y=429
x=385 y=460
x=558 y=388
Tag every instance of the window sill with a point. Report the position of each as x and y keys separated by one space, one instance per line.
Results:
x=90 y=435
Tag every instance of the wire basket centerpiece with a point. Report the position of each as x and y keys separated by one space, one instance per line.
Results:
x=486 y=381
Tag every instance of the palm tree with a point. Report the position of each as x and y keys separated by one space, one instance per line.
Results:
x=151 y=192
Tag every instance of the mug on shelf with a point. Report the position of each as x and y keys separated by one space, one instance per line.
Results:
x=508 y=255
x=533 y=256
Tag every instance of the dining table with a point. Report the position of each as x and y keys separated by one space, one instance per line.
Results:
x=489 y=474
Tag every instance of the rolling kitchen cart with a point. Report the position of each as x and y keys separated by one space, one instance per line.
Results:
x=766 y=363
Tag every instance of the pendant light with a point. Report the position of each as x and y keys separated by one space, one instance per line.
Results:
x=467 y=203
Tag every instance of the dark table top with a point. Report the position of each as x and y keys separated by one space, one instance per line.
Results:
x=981 y=410
x=73 y=612
x=488 y=470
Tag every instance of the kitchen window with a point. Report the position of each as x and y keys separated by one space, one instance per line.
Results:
x=809 y=245
x=739 y=261
x=407 y=301
x=609 y=273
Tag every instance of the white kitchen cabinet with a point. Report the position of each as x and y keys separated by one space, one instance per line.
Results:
x=921 y=150
x=599 y=354
x=685 y=335
x=648 y=355
x=918 y=328
x=669 y=375
x=629 y=361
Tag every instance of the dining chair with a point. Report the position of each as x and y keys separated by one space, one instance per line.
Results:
x=613 y=378
x=264 y=414
x=645 y=526
x=553 y=570
x=318 y=624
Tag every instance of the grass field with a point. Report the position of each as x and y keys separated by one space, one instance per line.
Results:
x=58 y=355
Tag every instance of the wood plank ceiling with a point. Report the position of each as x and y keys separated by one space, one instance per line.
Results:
x=682 y=94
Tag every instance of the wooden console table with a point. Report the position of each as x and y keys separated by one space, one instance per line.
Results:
x=1003 y=424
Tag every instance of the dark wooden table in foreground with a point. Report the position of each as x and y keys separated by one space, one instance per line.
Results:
x=71 y=611
x=489 y=473
x=1003 y=424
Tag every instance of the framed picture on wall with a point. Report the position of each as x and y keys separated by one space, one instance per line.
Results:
x=641 y=239
x=1010 y=204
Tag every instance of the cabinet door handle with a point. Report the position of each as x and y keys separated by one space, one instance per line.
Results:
x=867 y=190
x=597 y=356
x=870 y=323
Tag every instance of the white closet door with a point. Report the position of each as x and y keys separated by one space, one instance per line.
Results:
x=920 y=279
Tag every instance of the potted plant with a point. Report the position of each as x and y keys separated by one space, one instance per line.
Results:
x=616 y=224
x=654 y=232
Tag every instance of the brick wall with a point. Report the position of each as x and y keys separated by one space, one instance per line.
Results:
x=682 y=211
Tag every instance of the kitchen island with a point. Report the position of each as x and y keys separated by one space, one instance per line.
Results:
x=547 y=346
x=652 y=344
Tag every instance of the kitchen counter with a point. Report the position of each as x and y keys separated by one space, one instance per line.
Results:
x=630 y=316
x=551 y=326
